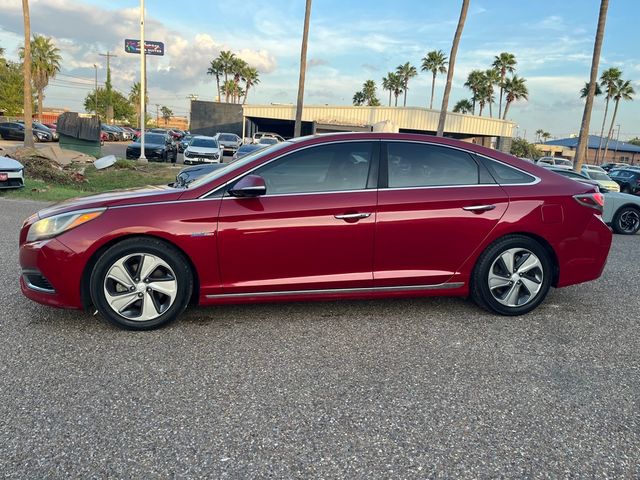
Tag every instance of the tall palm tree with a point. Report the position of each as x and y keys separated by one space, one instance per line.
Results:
x=515 y=89
x=484 y=96
x=251 y=77
x=406 y=73
x=475 y=81
x=134 y=97
x=584 y=91
x=226 y=59
x=297 y=129
x=463 y=106
x=167 y=113
x=608 y=81
x=228 y=88
x=505 y=63
x=237 y=67
x=539 y=133
x=45 y=63
x=215 y=69
x=624 y=91
x=435 y=62
x=452 y=63
x=398 y=87
x=359 y=98
x=387 y=84
x=581 y=150
x=492 y=78
x=28 y=99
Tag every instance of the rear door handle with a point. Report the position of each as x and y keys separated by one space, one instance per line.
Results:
x=352 y=216
x=479 y=208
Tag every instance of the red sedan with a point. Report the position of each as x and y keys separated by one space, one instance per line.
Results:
x=333 y=216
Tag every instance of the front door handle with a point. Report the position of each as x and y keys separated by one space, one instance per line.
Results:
x=352 y=216
x=479 y=208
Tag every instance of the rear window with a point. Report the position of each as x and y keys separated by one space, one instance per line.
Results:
x=506 y=175
x=227 y=138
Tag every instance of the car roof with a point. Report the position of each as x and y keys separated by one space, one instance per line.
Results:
x=206 y=137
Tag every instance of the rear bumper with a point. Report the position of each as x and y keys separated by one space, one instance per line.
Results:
x=584 y=257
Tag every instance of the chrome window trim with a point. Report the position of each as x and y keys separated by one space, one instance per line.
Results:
x=439 y=286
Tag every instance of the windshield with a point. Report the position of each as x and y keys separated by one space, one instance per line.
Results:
x=204 y=142
x=268 y=141
x=226 y=137
x=598 y=176
x=154 y=138
x=565 y=163
x=238 y=164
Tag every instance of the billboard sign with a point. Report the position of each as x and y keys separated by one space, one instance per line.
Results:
x=150 y=47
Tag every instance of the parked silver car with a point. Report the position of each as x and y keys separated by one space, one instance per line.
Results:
x=202 y=149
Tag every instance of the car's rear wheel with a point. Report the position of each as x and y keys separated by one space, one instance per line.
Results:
x=141 y=283
x=512 y=276
x=626 y=221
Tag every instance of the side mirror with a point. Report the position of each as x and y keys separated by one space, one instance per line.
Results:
x=249 y=186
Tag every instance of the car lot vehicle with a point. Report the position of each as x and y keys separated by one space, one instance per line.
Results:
x=578 y=177
x=113 y=135
x=246 y=149
x=267 y=141
x=555 y=162
x=11 y=173
x=622 y=212
x=44 y=133
x=202 y=149
x=15 y=131
x=190 y=174
x=628 y=179
x=599 y=175
x=157 y=147
x=613 y=165
x=360 y=215
x=128 y=132
x=259 y=135
x=229 y=142
x=184 y=142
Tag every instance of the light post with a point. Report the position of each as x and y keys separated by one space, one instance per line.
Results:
x=96 y=89
x=143 y=85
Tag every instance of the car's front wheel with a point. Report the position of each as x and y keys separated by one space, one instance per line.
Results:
x=141 y=283
x=512 y=276
x=626 y=221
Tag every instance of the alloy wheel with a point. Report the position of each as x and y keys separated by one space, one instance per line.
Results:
x=140 y=287
x=515 y=277
x=629 y=221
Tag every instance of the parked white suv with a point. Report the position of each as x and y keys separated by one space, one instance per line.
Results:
x=260 y=135
x=202 y=149
x=555 y=162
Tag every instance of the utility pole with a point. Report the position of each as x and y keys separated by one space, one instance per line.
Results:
x=143 y=85
x=157 y=115
x=96 y=89
x=108 y=85
x=191 y=97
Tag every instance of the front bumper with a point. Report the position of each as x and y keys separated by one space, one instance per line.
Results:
x=15 y=179
x=60 y=269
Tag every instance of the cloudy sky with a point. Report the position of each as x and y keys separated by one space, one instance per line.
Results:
x=350 y=41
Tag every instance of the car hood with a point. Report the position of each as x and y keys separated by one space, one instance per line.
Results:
x=7 y=163
x=132 y=196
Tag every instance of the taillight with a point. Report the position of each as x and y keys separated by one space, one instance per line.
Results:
x=591 y=200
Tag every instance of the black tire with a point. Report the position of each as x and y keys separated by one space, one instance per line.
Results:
x=482 y=294
x=626 y=221
x=181 y=275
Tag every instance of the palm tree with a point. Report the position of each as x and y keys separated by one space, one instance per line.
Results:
x=388 y=83
x=475 y=81
x=251 y=77
x=359 y=98
x=581 y=149
x=237 y=67
x=434 y=62
x=134 y=97
x=45 y=63
x=545 y=136
x=398 y=87
x=406 y=73
x=515 y=89
x=505 y=62
x=215 y=69
x=28 y=99
x=484 y=96
x=452 y=62
x=228 y=88
x=492 y=77
x=608 y=81
x=623 y=91
x=226 y=59
x=463 y=106
x=1 y=51
x=297 y=129
x=584 y=91
x=167 y=113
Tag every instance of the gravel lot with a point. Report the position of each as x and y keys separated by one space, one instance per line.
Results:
x=368 y=389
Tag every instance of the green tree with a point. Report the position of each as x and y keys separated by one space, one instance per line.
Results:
x=251 y=77
x=123 y=110
x=623 y=91
x=359 y=98
x=134 y=98
x=584 y=91
x=515 y=89
x=435 y=62
x=216 y=69
x=492 y=78
x=387 y=84
x=237 y=67
x=11 y=88
x=45 y=64
x=523 y=149
x=27 y=98
x=504 y=63
x=475 y=82
x=226 y=61
x=608 y=81
x=393 y=83
x=166 y=113
x=634 y=141
x=406 y=73
x=539 y=133
x=463 y=106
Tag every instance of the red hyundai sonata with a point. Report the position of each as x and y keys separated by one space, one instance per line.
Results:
x=333 y=216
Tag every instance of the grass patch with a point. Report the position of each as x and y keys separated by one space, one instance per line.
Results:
x=124 y=174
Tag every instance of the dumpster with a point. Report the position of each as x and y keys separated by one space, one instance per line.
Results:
x=78 y=133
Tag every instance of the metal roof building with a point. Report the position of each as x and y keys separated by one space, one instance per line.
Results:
x=617 y=151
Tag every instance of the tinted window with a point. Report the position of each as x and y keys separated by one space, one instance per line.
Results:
x=204 y=142
x=570 y=174
x=420 y=165
x=154 y=138
x=505 y=174
x=228 y=137
x=326 y=168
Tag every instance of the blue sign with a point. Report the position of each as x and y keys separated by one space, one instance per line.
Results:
x=150 y=47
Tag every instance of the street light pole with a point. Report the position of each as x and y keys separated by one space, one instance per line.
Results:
x=143 y=85
x=96 y=89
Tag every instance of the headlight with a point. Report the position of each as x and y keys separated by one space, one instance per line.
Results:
x=187 y=153
x=52 y=226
